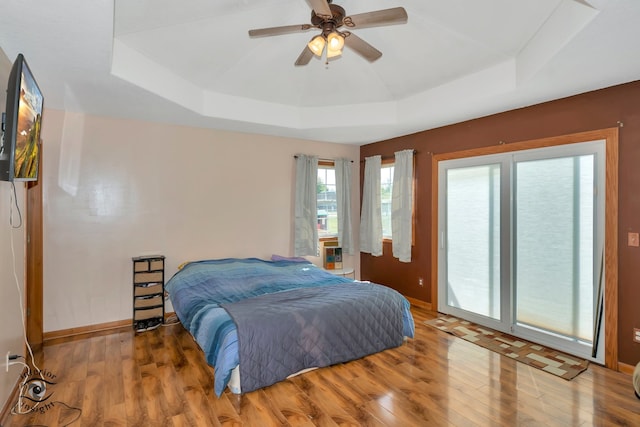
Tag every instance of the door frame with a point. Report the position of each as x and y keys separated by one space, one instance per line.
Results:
x=611 y=136
x=34 y=260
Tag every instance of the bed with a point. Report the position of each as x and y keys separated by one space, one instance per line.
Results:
x=260 y=321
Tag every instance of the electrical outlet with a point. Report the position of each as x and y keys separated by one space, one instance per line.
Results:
x=6 y=362
x=633 y=239
x=636 y=335
x=420 y=281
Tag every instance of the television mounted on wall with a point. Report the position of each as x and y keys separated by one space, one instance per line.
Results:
x=19 y=147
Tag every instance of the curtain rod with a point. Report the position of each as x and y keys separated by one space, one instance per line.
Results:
x=391 y=157
x=323 y=160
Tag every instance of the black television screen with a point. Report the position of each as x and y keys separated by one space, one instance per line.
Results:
x=19 y=150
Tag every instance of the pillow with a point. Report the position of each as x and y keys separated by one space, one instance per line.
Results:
x=275 y=257
x=181 y=266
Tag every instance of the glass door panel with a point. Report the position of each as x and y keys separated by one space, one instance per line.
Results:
x=473 y=239
x=554 y=250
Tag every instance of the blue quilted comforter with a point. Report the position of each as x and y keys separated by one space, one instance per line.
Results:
x=204 y=293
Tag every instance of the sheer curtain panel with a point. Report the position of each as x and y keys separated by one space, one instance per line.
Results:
x=306 y=215
x=371 y=216
x=402 y=205
x=343 y=195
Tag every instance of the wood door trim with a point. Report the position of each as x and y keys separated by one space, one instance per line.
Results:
x=34 y=260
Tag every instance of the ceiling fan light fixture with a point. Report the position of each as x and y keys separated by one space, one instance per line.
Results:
x=333 y=52
x=316 y=45
x=335 y=41
x=328 y=17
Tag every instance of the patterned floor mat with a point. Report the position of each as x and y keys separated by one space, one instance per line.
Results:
x=552 y=361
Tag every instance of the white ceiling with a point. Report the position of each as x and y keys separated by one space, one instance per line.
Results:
x=191 y=62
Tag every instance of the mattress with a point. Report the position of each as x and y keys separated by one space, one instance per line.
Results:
x=204 y=292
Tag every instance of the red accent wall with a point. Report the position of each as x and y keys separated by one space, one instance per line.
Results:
x=589 y=111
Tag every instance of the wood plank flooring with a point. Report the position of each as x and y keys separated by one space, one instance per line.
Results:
x=159 y=378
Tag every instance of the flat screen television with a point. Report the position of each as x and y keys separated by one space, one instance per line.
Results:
x=19 y=150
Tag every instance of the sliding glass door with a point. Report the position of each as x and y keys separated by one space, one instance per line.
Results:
x=521 y=237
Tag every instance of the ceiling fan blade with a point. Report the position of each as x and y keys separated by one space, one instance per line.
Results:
x=361 y=47
x=276 y=31
x=321 y=8
x=304 y=57
x=395 y=15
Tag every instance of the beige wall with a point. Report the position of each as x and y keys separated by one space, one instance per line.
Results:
x=114 y=189
x=10 y=302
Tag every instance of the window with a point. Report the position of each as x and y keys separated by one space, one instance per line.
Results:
x=386 y=186
x=327 y=204
x=388 y=205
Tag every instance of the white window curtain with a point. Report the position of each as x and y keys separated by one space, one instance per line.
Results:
x=371 y=216
x=306 y=214
x=343 y=195
x=402 y=205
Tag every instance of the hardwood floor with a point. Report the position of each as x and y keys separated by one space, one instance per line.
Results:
x=159 y=378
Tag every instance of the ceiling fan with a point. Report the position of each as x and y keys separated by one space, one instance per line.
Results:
x=329 y=18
